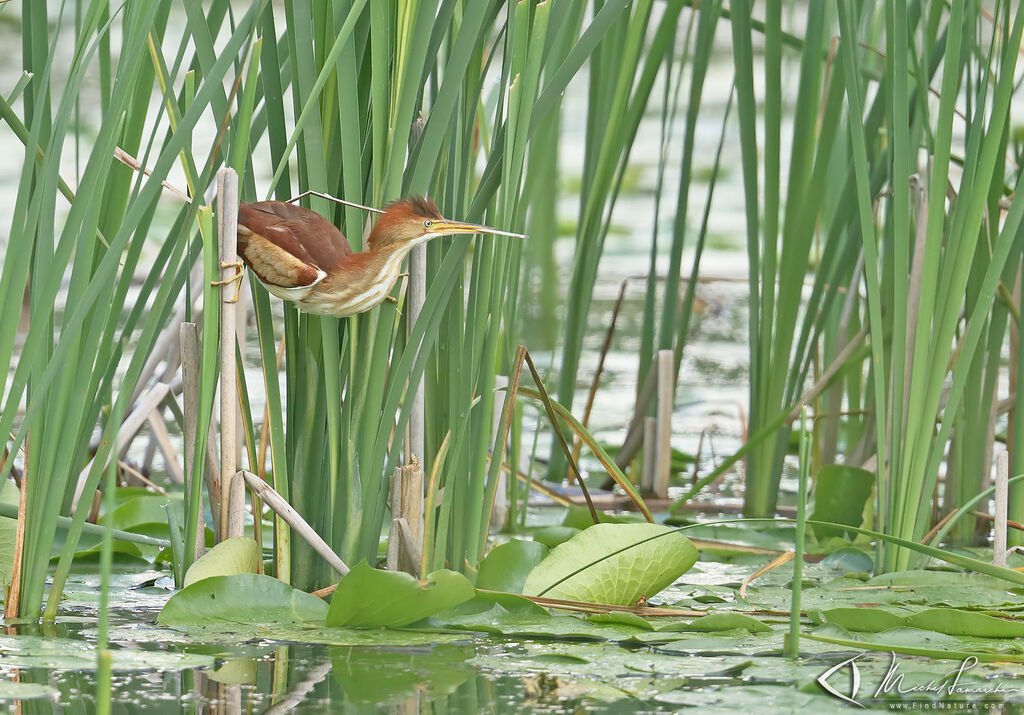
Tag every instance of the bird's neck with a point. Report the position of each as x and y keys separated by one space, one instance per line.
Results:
x=386 y=260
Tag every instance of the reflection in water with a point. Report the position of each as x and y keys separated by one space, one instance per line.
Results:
x=53 y=666
x=302 y=678
x=287 y=678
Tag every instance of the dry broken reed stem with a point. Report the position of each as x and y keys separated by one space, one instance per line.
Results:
x=635 y=431
x=1001 y=507
x=416 y=295
x=124 y=466
x=577 y=447
x=988 y=517
x=130 y=161
x=285 y=511
x=935 y=529
x=232 y=507
x=666 y=398
x=129 y=428
x=784 y=558
x=189 y=341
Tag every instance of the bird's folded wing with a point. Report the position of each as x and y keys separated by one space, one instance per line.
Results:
x=303 y=233
x=274 y=265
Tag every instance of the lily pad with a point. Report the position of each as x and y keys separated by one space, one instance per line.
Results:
x=579 y=517
x=552 y=536
x=965 y=623
x=865 y=620
x=139 y=510
x=241 y=598
x=849 y=560
x=369 y=597
x=506 y=567
x=231 y=556
x=124 y=555
x=715 y=622
x=69 y=654
x=613 y=563
x=11 y=690
x=484 y=600
x=499 y=621
x=840 y=492
x=624 y=617
x=914 y=641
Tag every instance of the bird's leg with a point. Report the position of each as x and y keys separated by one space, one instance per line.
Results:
x=403 y=275
x=236 y=279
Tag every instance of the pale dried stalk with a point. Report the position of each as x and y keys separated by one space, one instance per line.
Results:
x=1002 y=501
x=189 y=336
x=129 y=428
x=291 y=517
x=232 y=507
x=666 y=400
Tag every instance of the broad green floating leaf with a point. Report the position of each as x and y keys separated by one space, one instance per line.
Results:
x=579 y=517
x=912 y=641
x=368 y=597
x=715 y=622
x=71 y=654
x=506 y=567
x=231 y=556
x=241 y=598
x=552 y=536
x=12 y=690
x=965 y=623
x=865 y=620
x=623 y=617
x=849 y=560
x=124 y=555
x=484 y=600
x=620 y=564
x=949 y=621
x=499 y=621
x=840 y=492
x=139 y=510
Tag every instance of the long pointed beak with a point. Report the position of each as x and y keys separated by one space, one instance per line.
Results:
x=457 y=227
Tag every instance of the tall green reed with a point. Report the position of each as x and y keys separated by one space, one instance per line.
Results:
x=963 y=249
x=482 y=79
x=487 y=78
x=74 y=361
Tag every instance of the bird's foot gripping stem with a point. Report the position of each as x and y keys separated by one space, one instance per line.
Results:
x=236 y=279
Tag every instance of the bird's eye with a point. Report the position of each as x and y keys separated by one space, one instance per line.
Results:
x=428 y=223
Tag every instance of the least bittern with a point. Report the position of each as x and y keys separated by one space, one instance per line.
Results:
x=301 y=256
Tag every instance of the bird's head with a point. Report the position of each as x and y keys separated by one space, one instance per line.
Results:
x=414 y=220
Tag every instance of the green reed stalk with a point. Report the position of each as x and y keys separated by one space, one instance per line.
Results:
x=793 y=637
x=103 y=669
